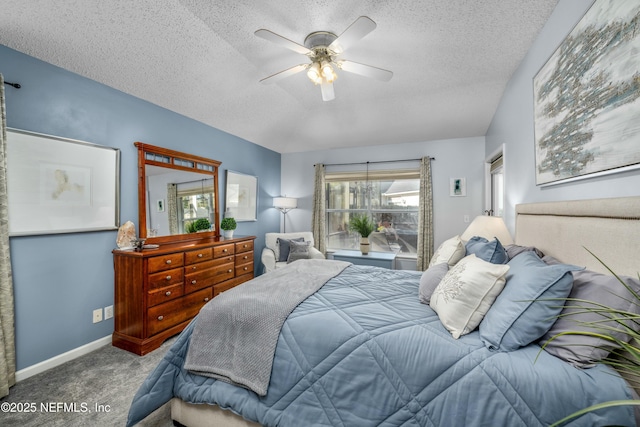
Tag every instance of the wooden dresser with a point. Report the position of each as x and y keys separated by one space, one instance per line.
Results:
x=158 y=291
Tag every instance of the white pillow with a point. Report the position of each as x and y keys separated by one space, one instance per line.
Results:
x=450 y=251
x=466 y=293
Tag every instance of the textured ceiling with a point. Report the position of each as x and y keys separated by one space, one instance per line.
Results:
x=451 y=61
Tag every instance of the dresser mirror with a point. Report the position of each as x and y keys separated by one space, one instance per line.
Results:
x=177 y=195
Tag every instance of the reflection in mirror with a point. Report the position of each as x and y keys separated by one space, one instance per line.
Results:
x=177 y=195
x=176 y=199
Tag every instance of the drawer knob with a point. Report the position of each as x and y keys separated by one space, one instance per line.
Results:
x=199 y=255
x=160 y=317
x=206 y=299
x=244 y=246
x=193 y=282
x=168 y=261
x=246 y=268
x=229 y=271
x=168 y=277
x=225 y=250
x=246 y=257
x=168 y=293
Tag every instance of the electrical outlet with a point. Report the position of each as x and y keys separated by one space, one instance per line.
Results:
x=108 y=312
x=97 y=315
x=466 y=218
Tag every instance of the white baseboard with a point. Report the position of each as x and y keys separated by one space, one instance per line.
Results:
x=58 y=360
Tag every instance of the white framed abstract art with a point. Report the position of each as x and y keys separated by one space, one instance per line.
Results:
x=587 y=98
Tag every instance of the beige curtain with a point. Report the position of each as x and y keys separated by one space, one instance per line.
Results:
x=7 y=335
x=425 y=216
x=318 y=217
x=172 y=207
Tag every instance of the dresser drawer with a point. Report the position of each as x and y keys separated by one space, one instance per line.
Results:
x=201 y=255
x=220 y=261
x=171 y=313
x=165 y=262
x=199 y=280
x=244 y=246
x=223 y=272
x=165 y=278
x=192 y=268
x=244 y=269
x=161 y=295
x=223 y=250
x=244 y=258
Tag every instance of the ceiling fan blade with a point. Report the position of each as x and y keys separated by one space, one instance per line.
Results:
x=284 y=73
x=360 y=28
x=282 y=41
x=365 y=70
x=327 y=91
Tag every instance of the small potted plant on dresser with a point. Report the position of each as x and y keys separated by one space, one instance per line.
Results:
x=364 y=226
x=227 y=225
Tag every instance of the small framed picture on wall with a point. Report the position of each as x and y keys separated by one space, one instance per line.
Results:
x=457 y=187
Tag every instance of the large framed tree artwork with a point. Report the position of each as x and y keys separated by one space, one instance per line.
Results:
x=587 y=97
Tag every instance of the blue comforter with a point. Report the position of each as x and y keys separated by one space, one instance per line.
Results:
x=363 y=351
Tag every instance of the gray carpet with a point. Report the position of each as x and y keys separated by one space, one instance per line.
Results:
x=107 y=376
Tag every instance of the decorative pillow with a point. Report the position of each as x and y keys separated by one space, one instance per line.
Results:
x=284 y=245
x=490 y=251
x=466 y=293
x=430 y=279
x=528 y=305
x=298 y=250
x=513 y=250
x=604 y=290
x=450 y=251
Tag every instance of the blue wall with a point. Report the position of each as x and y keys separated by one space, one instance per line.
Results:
x=513 y=126
x=60 y=279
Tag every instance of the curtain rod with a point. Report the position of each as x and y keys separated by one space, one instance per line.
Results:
x=16 y=85
x=380 y=161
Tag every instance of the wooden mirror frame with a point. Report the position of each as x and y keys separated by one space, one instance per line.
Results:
x=186 y=162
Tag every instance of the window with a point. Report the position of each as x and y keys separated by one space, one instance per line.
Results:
x=390 y=198
x=496 y=172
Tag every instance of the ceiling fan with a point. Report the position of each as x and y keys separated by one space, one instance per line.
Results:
x=323 y=49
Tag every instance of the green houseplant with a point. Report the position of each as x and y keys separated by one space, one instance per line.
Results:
x=363 y=225
x=200 y=224
x=228 y=224
x=625 y=356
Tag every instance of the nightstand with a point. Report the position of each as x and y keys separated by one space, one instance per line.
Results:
x=377 y=259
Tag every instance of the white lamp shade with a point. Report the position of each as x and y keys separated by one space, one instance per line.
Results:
x=285 y=203
x=489 y=227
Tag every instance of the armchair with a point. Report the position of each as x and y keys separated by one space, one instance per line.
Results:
x=271 y=252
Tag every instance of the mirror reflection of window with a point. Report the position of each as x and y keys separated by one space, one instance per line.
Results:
x=194 y=201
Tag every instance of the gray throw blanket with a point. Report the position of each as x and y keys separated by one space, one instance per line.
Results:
x=235 y=335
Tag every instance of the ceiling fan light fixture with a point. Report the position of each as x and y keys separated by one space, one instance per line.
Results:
x=322 y=48
x=328 y=73
x=314 y=73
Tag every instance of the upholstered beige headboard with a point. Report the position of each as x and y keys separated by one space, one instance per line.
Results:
x=610 y=228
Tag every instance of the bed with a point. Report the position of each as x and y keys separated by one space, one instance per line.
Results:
x=364 y=350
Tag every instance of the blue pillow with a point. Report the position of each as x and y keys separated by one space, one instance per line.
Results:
x=528 y=305
x=490 y=251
